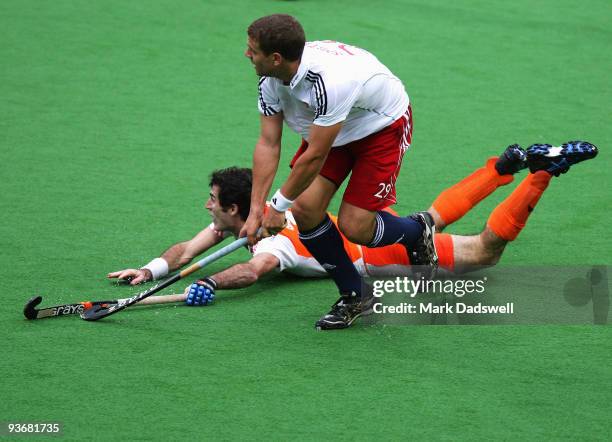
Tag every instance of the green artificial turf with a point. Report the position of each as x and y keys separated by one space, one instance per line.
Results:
x=114 y=113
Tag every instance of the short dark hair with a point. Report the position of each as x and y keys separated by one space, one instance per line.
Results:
x=234 y=188
x=280 y=33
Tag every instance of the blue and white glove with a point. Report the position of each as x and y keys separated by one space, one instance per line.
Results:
x=201 y=292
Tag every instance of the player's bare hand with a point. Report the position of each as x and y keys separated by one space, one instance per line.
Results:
x=273 y=222
x=134 y=276
x=251 y=228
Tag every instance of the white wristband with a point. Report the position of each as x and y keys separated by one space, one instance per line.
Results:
x=158 y=267
x=279 y=202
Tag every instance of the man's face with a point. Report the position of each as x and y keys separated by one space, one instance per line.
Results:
x=221 y=218
x=264 y=64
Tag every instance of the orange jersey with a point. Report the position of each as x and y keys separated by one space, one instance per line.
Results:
x=389 y=260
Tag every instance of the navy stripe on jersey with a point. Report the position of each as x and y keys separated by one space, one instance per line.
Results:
x=320 y=92
x=267 y=110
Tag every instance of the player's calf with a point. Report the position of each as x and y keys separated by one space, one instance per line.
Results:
x=454 y=202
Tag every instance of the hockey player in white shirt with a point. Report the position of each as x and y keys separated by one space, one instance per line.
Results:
x=355 y=118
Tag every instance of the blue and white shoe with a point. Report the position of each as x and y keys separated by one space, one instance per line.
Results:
x=512 y=160
x=557 y=160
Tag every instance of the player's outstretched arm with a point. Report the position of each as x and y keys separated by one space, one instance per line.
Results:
x=246 y=273
x=202 y=292
x=172 y=259
x=265 y=164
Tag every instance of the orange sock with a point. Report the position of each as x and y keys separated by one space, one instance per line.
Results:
x=457 y=200
x=509 y=218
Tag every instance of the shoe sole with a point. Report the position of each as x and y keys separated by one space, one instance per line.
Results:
x=429 y=233
x=558 y=160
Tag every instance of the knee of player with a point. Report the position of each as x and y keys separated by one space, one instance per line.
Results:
x=490 y=255
x=492 y=247
x=491 y=259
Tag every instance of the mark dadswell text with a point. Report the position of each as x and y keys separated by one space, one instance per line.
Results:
x=457 y=307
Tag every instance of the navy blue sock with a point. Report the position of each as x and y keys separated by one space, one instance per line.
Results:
x=325 y=244
x=391 y=229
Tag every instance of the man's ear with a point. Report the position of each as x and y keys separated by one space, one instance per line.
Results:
x=277 y=58
x=233 y=210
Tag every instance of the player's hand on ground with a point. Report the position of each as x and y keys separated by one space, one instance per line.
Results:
x=273 y=222
x=134 y=276
x=201 y=292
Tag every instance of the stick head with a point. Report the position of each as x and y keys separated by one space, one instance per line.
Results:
x=98 y=311
x=29 y=311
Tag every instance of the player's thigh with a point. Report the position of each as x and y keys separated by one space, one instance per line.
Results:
x=356 y=224
x=309 y=208
x=378 y=160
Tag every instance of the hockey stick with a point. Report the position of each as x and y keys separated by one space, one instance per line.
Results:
x=99 y=311
x=31 y=312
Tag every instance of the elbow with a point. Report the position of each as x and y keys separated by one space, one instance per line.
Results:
x=317 y=156
x=251 y=277
x=312 y=161
x=248 y=275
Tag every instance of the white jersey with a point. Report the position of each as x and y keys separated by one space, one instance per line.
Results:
x=336 y=83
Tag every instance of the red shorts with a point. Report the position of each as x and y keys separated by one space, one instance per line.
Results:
x=375 y=162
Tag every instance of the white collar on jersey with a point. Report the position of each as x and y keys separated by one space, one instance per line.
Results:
x=302 y=68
